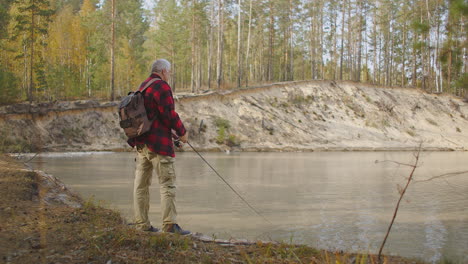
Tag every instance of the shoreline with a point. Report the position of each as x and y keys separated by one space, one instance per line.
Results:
x=249 y=150
x=64 y=227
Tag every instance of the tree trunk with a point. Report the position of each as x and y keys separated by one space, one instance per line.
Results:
x=175 y=71
x=88 y=79
x=391 y=55
x=334 y=46
x=312 y=42
x=413 y=77
x=342 y=38
x=379 y=65
x=199 y=64
x=270 y=45
x=219 y=71
x=192 y=37
x=439 y=78
x=239 y=70
x=291 y=43
x=403 y=56
x=25 y=81
x=349 y=63
x=112 y=57
x=464 y=54
x=321 y=52
x=210 y=43
x=388 y=57
x=375 y=46
x=31 y=60
x=247 y=62
x=361 y=25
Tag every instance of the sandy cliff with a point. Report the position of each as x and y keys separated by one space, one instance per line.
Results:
x=297 y=116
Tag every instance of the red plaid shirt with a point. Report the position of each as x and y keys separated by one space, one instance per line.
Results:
x=159 y=105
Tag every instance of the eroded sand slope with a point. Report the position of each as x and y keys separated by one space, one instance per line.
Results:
x=313 y=115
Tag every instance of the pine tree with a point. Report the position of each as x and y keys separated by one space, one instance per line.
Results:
x=31 y=28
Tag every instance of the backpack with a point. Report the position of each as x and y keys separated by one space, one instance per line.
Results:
x=132 y=113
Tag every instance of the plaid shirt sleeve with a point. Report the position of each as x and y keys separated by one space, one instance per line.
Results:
x=166 y=107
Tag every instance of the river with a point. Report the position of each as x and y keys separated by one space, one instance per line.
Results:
x=330 y=200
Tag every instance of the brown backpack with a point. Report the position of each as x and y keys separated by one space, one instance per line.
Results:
x=133 y=117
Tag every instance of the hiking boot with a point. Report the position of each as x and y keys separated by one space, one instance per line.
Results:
x=152 y=229
x=175 y=229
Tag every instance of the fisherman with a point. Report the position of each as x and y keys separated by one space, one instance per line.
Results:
x=155 y=150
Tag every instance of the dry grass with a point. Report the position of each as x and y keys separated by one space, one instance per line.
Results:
x=34 y=231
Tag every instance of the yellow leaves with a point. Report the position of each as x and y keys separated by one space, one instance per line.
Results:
x=128 y=76
x=67 y=39
x=59 y=37
x=87 y=8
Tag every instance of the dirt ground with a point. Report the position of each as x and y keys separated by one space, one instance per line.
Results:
x=41 y=221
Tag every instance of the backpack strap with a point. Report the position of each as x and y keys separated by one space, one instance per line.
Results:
x=148 y=84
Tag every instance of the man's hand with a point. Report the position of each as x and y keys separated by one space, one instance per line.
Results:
x=184 y=138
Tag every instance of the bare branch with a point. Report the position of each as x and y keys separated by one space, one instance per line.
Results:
x=396 y=162
x=402 y=193
x=446 y=175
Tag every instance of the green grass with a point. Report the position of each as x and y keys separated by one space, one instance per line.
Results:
x=221 y=135
x=221 y=122
x=223 y=126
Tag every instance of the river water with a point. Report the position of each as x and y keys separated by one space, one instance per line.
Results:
x=329 y=200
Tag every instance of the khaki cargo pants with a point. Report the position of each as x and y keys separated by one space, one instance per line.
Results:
x=146 y=161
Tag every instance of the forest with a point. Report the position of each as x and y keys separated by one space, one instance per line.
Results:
x=102 y=49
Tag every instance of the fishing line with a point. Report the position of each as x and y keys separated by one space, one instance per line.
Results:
x=240 y=196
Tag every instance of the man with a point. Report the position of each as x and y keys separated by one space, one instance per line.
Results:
x=155 y=150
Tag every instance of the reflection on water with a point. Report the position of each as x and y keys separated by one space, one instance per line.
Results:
x=333 y=200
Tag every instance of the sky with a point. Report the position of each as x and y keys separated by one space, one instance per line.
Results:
x=148 y=4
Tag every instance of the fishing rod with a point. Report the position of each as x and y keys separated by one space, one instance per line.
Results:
x=178 y=144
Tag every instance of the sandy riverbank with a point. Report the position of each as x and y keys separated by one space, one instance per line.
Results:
x=293 y=116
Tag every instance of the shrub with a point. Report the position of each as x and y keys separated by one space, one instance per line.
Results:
x=220 y=122
x=222 y=125
x=221 y=135
x=367 y=98
x=232 y=141
x=284 y=104
x=411 y=133
x=432 y=122
x=300 y=99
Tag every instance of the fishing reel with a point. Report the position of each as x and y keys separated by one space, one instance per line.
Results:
x=177 y=143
